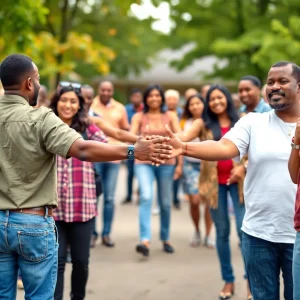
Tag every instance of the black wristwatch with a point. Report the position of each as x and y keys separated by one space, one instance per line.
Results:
x=130 y=152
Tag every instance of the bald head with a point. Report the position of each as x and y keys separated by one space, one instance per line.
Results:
x=105 y=91
x=189 y=93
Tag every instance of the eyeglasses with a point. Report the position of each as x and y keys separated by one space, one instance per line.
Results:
x=76 y=86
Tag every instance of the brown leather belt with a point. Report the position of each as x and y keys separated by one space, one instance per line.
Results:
x=41 y=211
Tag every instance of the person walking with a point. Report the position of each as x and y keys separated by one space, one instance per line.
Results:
x=135 y=106
x=76 y=190
x=113 y=112
x=30 y=140
x=268 y=232
x=192 y=125
x=146 y=173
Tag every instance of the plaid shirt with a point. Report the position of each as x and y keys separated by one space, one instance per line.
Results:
x=76 y=185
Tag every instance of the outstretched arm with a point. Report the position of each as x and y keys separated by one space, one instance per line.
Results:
x=193 y=132
x=157 y=150
x=208 y=150
x=294 y=161
x=119 y=134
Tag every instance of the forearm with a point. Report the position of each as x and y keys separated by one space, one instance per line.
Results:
x=294 y=165
x=126 y=136
x=211 y=150
x=98 y=152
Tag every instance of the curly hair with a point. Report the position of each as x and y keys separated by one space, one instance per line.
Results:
x=80 y=120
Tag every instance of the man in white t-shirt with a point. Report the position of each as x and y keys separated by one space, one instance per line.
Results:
x=268 y=232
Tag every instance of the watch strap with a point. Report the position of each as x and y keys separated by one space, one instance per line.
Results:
x=130 y=152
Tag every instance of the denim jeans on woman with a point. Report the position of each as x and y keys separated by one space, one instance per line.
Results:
x=29 y=243
x=109 y=175
x=264 y=260
x=221 y=220
x=146 y=174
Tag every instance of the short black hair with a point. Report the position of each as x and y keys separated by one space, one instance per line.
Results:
x=284 y=63
x=147 y=92
x=13 y=69
x=255 y=80
x=135 y=91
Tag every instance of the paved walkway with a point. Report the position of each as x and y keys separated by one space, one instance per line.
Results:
x=190 y=273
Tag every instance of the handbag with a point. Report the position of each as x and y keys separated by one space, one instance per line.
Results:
x=98 y=181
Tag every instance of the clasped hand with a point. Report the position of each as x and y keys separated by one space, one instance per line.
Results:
x=157 y=149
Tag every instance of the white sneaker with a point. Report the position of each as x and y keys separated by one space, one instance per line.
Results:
x=196 y=240
x=209 y=243
x=155 y=211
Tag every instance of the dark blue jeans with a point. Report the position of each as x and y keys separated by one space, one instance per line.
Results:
x=130 y=169
x=264 y=260
x=221 y=220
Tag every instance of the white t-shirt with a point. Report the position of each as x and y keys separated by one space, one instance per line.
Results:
x=268 y=189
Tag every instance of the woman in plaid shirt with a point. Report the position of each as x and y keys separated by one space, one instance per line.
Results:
x=76 y=195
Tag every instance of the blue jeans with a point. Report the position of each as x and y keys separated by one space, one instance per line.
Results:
x=263 y=261
x=176 y=184
x=29 y=243
x=296 y=267
x=221 y=220
x=109 y=175
x=146 y=174
x=130 y=169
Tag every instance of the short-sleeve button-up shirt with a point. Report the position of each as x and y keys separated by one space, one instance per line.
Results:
x=30 y=139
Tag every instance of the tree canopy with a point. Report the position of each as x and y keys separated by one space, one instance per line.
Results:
x=251 y=35
x=80 y=37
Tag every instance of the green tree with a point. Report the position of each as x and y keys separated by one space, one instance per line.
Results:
x=83 y=38
x=250 y=35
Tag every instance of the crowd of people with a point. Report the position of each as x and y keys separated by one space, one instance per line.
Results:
x=230 y=152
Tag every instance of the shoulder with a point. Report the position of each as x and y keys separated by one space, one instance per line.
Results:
x=137 y=116
x=171 y=116
x=117 y=104
x=92 y=129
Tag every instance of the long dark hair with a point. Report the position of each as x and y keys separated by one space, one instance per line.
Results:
x=211 y=119
x=80 y=120
x=186 y=113
x=147 y=92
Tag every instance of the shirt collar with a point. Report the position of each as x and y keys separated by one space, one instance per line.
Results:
x=12 y=99
x=258 y=107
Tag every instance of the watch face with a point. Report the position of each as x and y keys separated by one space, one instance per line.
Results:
x=130 y=152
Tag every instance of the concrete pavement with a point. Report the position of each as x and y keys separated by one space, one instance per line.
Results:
x=189 y=273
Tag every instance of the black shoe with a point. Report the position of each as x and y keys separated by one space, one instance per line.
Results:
x=106 y=241
x=168 y=248
x=143 y=249
x=177 y=205
x=127 y=201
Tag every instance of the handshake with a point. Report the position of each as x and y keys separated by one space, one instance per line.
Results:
x=158 y=149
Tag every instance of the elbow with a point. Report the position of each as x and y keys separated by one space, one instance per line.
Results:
x=294 y=179
x=79 y=150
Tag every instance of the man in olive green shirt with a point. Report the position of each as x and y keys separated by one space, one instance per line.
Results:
x=30 y=139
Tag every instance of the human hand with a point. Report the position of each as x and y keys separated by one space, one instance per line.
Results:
x=177 y=172
x=156 y=149
x=237 y=173
x=175 y=142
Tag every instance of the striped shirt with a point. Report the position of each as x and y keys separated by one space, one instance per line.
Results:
x=76 y=185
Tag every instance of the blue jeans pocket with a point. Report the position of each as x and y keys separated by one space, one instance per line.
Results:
x=33 y=245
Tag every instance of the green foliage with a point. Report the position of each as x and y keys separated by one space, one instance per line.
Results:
x=77 y=39
x=251 y=35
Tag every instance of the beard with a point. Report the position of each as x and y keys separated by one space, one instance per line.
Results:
x=279 y=107
x=34 y=99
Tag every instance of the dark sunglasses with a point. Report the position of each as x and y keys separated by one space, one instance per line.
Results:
x=76 y=86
